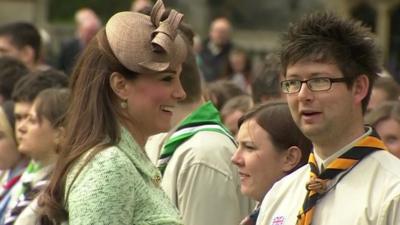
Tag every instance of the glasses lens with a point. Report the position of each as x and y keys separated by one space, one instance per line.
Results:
x=290 y=86
x=319 y=84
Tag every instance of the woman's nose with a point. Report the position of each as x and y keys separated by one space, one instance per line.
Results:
x=237 y=158
x=179 y=92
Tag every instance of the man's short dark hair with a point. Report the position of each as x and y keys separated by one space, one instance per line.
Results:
x=28 y=87
x=324 y=37
x=23 y=34
x=11 y=70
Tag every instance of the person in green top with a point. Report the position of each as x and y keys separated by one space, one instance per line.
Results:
x=123 y=89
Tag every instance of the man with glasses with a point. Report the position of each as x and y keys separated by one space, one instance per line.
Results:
x=329 y=65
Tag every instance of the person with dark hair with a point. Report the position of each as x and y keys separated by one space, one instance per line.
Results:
x=41 y=135
x=194 y=159
x=385 y=118
x=28 y=87
x=329 y=66
x=11 y=70
x=22 y=41
x=271 y=146
x=12 y=162
x=124 y=88
x=266 y=84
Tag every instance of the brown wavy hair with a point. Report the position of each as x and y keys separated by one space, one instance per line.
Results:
x=92 y=118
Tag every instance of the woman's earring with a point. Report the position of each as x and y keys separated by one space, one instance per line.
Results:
x=124 y=104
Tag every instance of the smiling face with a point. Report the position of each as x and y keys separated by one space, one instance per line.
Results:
x=152 y=99
x=259 y=161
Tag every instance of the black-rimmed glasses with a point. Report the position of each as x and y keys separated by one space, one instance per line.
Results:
x=314 y=84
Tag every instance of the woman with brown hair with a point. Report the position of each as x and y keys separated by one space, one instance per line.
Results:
x=40 y=137
x=271 y=146
x=124 y=89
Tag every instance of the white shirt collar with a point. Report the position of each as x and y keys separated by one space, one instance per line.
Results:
x=328 y=160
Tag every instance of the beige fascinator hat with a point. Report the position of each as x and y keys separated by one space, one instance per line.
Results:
x=146 y=44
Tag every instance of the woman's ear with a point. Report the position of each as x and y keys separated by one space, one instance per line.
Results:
x=118 y=84
x=291 y=159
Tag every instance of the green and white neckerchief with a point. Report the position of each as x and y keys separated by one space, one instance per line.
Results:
x=205 y=118
x=29 y=175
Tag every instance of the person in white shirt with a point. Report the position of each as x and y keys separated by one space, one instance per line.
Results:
x=329 y=65
x=270 y=147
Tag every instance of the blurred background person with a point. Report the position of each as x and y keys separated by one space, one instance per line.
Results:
x=266 y=83
x=23 y=95
x=233 y=109
x=22 y=40
x=87 y=25
x=41 y=135
x=384 y=89
x=239 y=69
x=141 y=6
x=385 y=118
x=271 y=146
x=214 y=54
x=12 y=162
x=11 y=70
x=28 y=87
x=219 y=92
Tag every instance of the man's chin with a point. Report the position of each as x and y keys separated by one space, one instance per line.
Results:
x=311 y=131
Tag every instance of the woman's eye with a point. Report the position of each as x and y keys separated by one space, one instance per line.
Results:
x=168 y=78
x=250 y=147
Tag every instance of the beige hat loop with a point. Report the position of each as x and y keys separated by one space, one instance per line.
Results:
x=146 y=44
x=157 y=12
x=165 y=34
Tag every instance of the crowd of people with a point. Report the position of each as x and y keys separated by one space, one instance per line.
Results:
x=141 y=123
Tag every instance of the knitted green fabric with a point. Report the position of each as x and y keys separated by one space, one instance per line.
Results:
x=118 y=186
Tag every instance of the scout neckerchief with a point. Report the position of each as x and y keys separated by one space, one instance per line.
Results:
x=316 y=188
x=29 y=191
x=205 y=118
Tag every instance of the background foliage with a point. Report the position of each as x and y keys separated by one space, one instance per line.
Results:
x=63 y=10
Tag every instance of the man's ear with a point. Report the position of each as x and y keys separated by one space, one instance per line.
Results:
x=360 y=88
x=118 y=84
x=291 y=159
